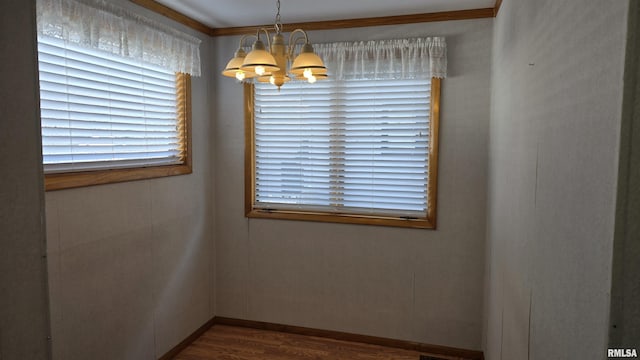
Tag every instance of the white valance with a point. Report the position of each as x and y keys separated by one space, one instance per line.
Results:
x=100 y=25
x=386 y=59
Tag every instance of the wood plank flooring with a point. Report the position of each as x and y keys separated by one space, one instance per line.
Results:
x=223 y=342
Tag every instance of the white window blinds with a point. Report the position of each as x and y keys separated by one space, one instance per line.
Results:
x=343 y=146
x=103 y=111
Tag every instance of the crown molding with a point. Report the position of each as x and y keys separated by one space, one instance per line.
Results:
x=496 y=7
x=173 y=15
x=365 y=22
x=323 y=25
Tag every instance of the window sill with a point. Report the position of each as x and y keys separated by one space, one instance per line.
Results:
x=101 y=177
x=416 y=223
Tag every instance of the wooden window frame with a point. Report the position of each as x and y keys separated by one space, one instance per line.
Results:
x=428 y=222
x=78 y=179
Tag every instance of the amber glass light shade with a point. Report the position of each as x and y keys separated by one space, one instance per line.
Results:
x=259 y=60
x=308 y=60
x=233 y=67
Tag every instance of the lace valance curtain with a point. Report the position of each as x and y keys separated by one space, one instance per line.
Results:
x=385 y=59
x=100 y=25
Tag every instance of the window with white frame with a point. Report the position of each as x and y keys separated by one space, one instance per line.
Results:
x=354 y=149
x=114 y=103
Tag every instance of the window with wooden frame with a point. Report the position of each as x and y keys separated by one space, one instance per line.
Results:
x=345 y=151
x=115 y=93
x=109 y=119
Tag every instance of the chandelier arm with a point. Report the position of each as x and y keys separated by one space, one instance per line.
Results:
x=291 y=36
x=267 y=33
x=244 y=37
x=293 y=41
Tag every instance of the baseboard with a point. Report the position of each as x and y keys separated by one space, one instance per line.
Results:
x=329 y=334
x=186 y=342
x=365 y=339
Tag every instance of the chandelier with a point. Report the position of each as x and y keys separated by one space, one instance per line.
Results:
x=271 y=64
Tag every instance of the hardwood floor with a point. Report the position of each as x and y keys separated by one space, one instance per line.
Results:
x=223 y=342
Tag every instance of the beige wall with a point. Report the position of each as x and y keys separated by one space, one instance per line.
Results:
x=417 y=285
x=24 y=315
x=132 y=265
x=555 y=130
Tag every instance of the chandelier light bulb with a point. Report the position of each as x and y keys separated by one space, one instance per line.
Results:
x=260 y=70
x=272 y=80
x=311 y=79
x=240 y=75
x=308 y=73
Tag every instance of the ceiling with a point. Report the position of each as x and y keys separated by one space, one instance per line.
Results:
x=231 y=13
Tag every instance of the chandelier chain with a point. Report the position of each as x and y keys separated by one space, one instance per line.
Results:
x=278 y=23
